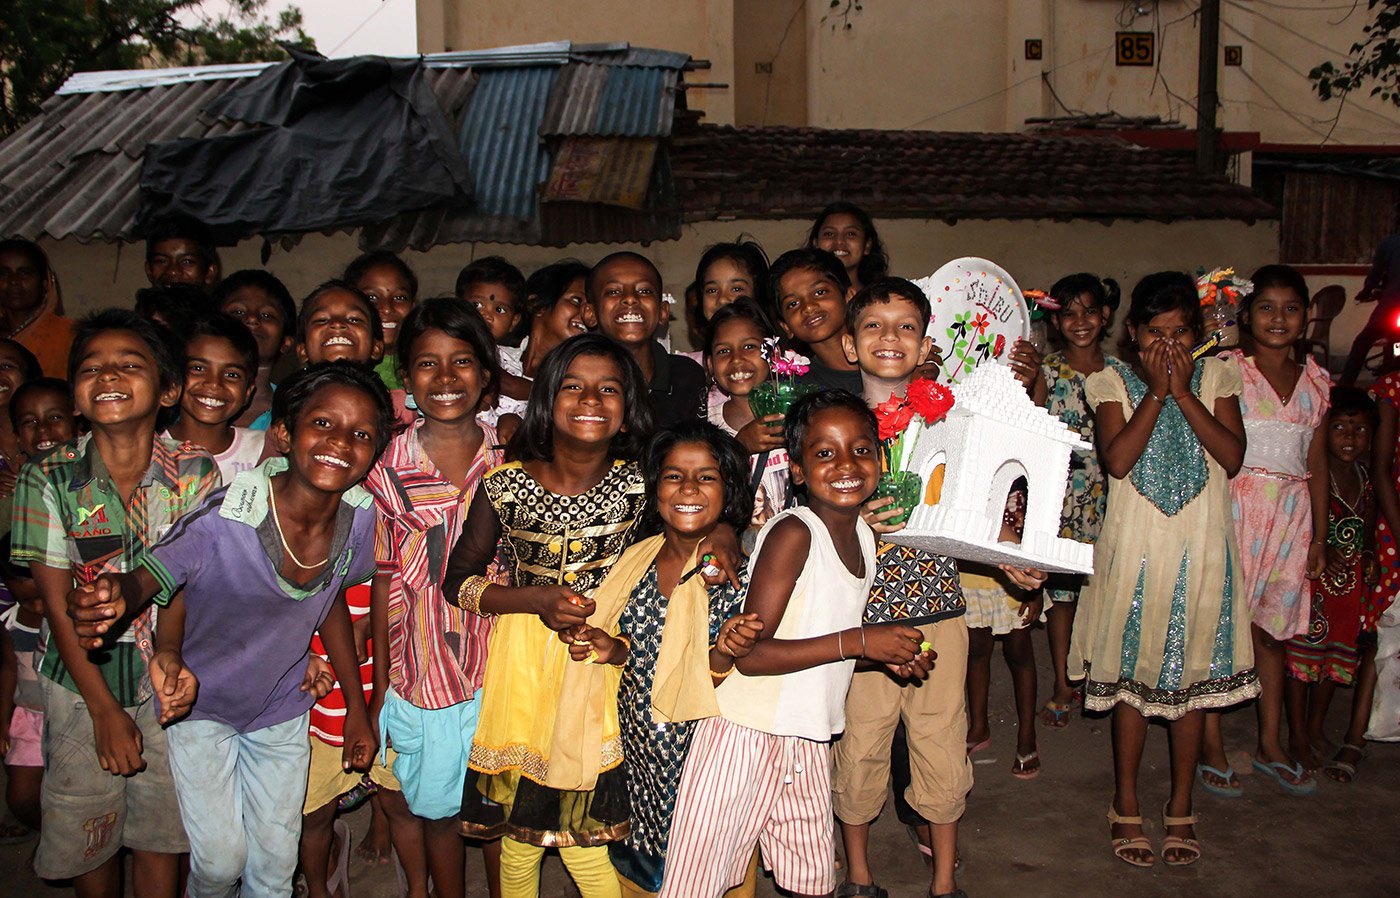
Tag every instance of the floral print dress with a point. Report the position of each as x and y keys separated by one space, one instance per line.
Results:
x=1086 y=491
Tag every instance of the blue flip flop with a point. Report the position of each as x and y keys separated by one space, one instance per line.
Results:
x=1275 y=770
x=1226 y=774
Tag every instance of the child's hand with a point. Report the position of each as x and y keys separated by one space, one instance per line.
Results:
x=918 y=669
x=8 y=478
x=94 y=607
x=762 y=434
x=1024 y=360
x=319 y=679
x=361 y=629
x=506 y=426
x=893 y=644
x=931 y=368
x=592 y=644
x=877 y=513
x=723 y=544
x=118 y=742
x=738 y=635
x=560 y=607
x=1154 y=363
x=1027 y=578
x=1030 y=610
x=358 y=753
x=1370 y=571
x=1182 y=367
x=1337 y=564
x=175 y=685
x=1317 y=560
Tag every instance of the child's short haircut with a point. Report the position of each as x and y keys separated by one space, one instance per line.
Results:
x=38 y=385
x=1279 y=277
x=1101 y=293
x=226 y=327
x=614 y=257
x=800 y=415
x=37 y=257
x=178 y=305
x=492 y=270
x=534 y=440
x=744 y=307
x=1160 y=293
x=886 y=289
x=458 y=320
x=806 y=259
x=165 y=348
x=382 y=258
x=733 y=461
x=32 y=368
x=268 y=283
x=546 y=287
x=376 y=328
x=1352 y=401
x=298 y=389
x=873 y=265
x=182 y=227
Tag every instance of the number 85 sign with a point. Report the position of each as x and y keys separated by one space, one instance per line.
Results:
x=1135 y=47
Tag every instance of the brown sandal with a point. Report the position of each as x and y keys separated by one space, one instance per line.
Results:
x=1180 y=843
x=1121 y=846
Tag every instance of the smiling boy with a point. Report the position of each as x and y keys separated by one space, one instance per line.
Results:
x=91 y=506
x=624 y=290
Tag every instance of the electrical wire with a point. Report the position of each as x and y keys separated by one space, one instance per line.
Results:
x=1293 y=31
x=1007 y=89
x=383 y=5
x=768 y=83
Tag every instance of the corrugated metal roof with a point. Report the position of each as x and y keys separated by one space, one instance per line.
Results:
x=74 y=171
x=611 y=101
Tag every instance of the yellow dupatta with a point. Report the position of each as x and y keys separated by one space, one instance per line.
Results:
x=682 y=688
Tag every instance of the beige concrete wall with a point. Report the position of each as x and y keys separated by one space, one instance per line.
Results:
x=1034 y=252
x=772 y=34
x=702 y=28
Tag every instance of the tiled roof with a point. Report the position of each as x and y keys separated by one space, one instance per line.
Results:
x=782 y=172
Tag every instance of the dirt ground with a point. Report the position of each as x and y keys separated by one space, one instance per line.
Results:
x=1048 y=837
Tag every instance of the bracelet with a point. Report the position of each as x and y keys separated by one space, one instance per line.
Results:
x=839 y=648
x=1160 y=400
x=862 y=642
x=720 y=676
x=469 y=595
x=626 y=642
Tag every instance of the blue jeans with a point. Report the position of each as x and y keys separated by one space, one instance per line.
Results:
x=240 y=800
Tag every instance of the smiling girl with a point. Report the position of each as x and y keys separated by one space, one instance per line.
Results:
x=847 y=231
x=810 y=289
x=428 y=678
x=393 y=288
x=1278 y=494
x=562 y=514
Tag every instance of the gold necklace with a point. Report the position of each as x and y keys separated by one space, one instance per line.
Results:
x=272 y=503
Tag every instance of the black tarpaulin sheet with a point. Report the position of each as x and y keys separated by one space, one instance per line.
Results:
x=339 y=143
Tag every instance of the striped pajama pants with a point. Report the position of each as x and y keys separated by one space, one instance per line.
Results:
x=741 y=787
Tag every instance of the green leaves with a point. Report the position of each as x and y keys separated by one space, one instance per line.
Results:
x=44 y=41
x=1374 y=61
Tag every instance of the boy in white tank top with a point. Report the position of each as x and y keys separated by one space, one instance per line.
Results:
x=760 y=772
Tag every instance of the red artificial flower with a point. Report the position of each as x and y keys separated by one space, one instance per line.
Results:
x=930 y=399
x=998 y=346
x=893 y=415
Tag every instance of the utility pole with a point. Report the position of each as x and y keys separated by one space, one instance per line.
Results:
x=1207 y=97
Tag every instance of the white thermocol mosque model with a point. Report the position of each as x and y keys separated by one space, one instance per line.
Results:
x=968 y=462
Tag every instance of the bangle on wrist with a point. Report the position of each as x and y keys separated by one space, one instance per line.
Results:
x=720 y=676
x=1160 y=400
x=862 y=642
x=840 y=650
x=469 y=595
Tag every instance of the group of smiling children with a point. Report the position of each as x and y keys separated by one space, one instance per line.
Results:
x=480 y=559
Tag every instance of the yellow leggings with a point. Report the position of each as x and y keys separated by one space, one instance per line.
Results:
x=590 y=868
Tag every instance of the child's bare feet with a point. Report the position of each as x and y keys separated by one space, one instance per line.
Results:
x=375 y=847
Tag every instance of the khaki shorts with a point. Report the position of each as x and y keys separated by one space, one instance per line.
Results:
x=89 y=814
x=327 y=780
x=935 y=715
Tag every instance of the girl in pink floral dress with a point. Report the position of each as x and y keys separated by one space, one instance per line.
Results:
x=1279 y=491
